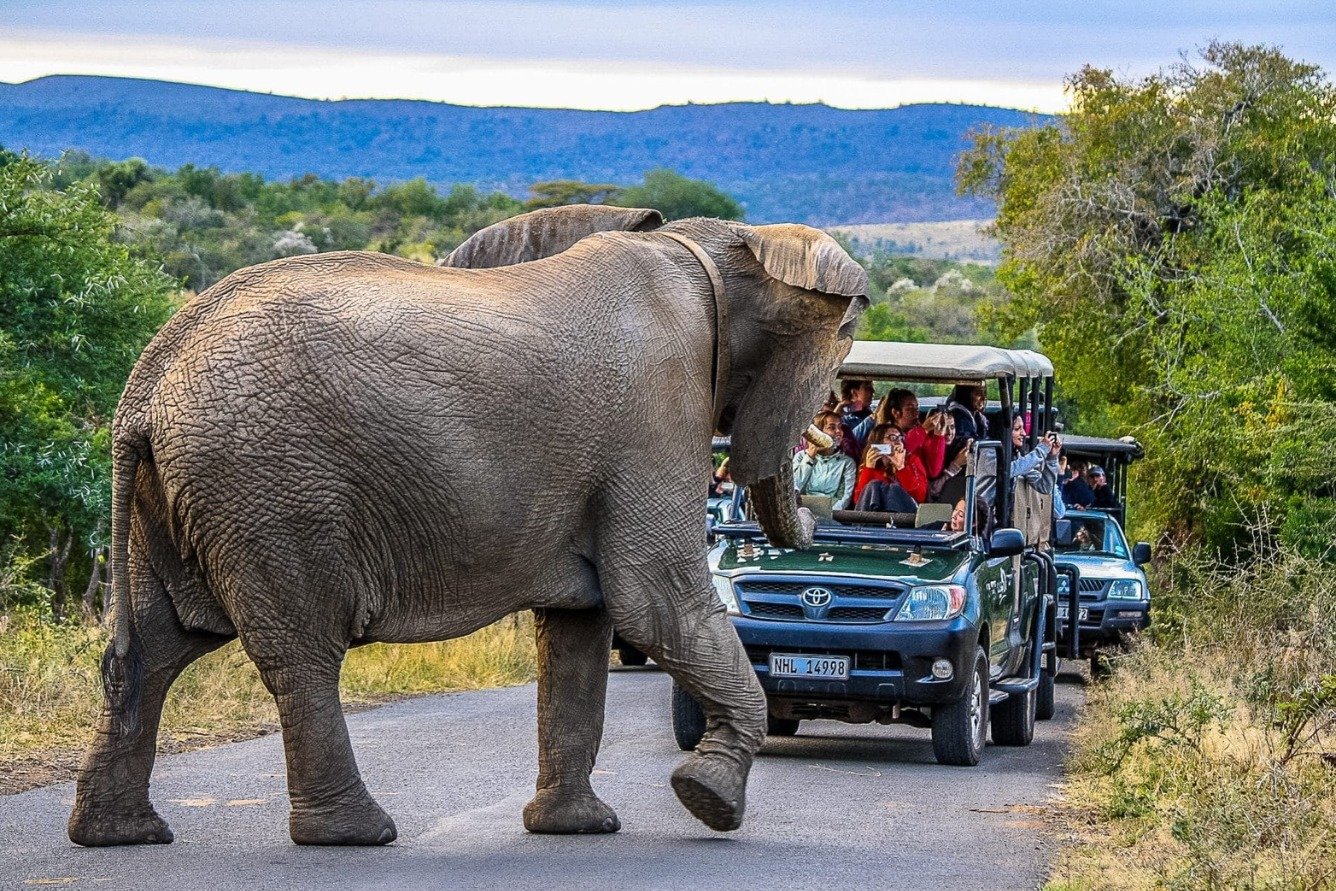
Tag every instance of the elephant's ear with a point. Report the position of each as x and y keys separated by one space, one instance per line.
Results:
x=543 y=233
x=806 y=258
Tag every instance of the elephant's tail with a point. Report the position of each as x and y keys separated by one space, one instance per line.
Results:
x=122 y=666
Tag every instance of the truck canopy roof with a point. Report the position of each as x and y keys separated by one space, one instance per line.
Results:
x=1125 y=448
x=948 y=363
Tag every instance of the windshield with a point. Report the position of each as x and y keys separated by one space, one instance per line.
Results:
x=1094 y=535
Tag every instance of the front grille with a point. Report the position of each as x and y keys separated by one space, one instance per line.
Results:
x=841 y=588
x=1091 y=585
x=775 y=611
x=863 y=660
x=857 y=614
x=852 y=602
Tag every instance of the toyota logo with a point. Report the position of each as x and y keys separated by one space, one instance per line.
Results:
x=816 y=597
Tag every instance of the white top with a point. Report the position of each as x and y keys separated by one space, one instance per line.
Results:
x=940 y=362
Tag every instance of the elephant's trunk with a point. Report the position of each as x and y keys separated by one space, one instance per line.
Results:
x=776 y=505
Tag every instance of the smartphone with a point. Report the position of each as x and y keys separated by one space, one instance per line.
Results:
x=882 y=449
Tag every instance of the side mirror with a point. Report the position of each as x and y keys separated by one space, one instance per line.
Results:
x=1006 y=543
x=1141 y=553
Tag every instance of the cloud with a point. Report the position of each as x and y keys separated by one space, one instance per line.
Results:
x=470 y=80
x=556 y=51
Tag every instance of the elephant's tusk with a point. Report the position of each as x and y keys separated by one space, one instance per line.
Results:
x=817 y=437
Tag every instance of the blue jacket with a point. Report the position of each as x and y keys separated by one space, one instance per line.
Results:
x=832 y=475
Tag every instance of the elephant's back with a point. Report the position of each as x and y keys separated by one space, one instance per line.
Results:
x=362 y=394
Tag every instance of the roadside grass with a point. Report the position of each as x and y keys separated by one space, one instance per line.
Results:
x=51 y=693
x=1208 y=760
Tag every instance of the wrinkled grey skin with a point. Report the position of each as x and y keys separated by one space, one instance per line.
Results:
x=330 y=450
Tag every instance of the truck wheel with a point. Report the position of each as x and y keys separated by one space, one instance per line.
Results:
x=1046 y=707
x=959 y=729
x=688 y=720
x=631 y=656
x=781 y=726
x=1013 y=718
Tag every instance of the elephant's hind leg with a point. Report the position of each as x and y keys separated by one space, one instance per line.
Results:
x=572 y=686
x=111 y=805
x=330 y=804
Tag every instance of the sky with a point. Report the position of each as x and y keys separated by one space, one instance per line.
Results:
x=633 y=54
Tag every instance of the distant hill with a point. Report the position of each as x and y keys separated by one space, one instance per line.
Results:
x=807 y=163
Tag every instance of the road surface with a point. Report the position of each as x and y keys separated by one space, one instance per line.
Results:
x=836 y=806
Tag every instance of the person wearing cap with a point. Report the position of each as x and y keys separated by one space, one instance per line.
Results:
x=1099 y=485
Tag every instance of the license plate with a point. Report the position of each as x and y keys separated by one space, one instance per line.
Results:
x=784 y=665
x=1081 y=616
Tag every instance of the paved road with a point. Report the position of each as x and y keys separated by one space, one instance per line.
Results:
x=835 y=806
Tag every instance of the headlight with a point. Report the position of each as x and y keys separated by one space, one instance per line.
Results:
x=928 y=602
x=1126 y=589
x=723 y=586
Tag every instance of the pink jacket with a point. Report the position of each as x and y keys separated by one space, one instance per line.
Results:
x=930 y=448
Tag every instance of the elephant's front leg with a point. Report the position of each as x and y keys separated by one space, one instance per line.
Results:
x=572 y=686
x=674 y=615
x=330 y=804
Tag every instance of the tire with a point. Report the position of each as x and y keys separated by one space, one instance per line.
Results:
x=1046 y=706
x=688 y=720
x=781 y=726
x=629 y=655
x=1013 y=718
x=960 y=729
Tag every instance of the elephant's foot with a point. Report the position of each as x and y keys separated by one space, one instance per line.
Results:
x=359 y=821
x=714 y=789
x=99 y=828
x=563 y=813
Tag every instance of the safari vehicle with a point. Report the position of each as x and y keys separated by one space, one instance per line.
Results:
x=892 y=618
x=1114 y=597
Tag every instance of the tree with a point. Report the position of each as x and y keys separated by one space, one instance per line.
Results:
x=75 y=310
x=559 y=192
x=677 y=197
x=1171 y=241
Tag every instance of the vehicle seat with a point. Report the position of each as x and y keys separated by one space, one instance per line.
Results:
x=874 y=518
x=933 y=514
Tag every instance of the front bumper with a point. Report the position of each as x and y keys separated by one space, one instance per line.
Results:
x=890 y=663
x=1109 y=621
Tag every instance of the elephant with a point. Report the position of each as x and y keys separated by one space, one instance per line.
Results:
x=333 y=449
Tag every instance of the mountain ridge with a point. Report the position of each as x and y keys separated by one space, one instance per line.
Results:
x=808 y=163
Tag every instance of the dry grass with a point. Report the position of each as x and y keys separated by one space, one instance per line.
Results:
x=1209 y=759
x=50 y=691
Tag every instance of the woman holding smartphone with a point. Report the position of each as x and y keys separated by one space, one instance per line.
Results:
x=886 y=459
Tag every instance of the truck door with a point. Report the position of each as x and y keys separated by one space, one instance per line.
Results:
x=997 y=580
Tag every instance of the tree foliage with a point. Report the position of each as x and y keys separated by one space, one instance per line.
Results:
x=202 y=224
x=75 y=310
x=1173 y=243
x=560 y=192
x=677 y=197
x=921 y=299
